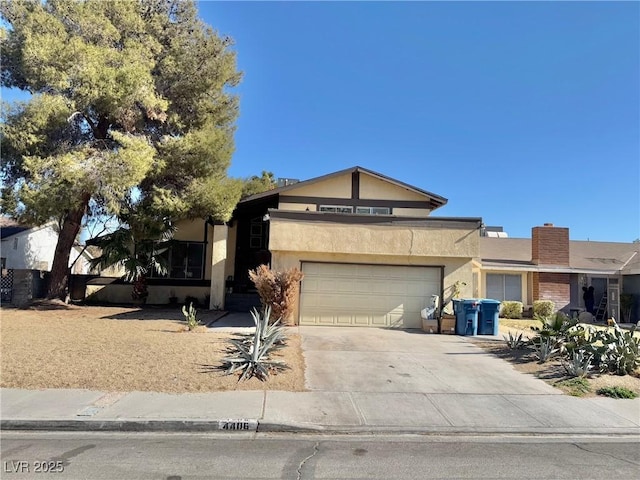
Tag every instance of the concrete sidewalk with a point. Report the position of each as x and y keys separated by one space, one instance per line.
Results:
x=358 y=381
x=339 y=412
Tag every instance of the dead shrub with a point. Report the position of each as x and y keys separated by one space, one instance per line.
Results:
x=278 y=290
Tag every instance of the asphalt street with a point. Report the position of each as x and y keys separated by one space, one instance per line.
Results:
x=73 y=455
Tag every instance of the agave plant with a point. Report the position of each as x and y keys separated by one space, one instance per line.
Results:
x=515 y=342
x=579 y=364
x=252 y=357
x=545 y=348
x=564 y=332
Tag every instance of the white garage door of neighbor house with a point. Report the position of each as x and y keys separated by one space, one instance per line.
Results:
x=366 y=295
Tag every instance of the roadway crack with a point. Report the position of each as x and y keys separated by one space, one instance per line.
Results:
x=626 y=460
x=316 y=448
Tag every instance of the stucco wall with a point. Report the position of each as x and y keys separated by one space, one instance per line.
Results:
x=336 y=187
x=31 y=249
x=158 y=294
x=411 y=212
x=325 y=237
x=374 y=188
x=297 y=206
x=190 y=230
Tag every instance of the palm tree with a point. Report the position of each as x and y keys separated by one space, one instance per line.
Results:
x=139 y=246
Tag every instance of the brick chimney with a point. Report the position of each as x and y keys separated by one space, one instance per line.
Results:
x=550 y=245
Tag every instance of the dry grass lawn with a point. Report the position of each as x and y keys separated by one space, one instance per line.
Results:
x=124 y=349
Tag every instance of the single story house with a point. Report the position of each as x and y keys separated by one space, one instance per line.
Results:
x=370 y=250
x=550 y=266
x=25 y=247
x=26 y=253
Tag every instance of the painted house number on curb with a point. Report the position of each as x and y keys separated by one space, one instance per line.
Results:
x=238 y=425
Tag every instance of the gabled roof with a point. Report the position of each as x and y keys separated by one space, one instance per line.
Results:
x=6 y=232
x=9 y=227
x=584 y=256
x=436 y=199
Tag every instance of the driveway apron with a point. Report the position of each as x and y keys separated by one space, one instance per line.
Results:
x=351 y=359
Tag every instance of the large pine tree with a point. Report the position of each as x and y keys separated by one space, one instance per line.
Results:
x=129 y=100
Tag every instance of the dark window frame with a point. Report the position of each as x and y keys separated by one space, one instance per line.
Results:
x=190 y=269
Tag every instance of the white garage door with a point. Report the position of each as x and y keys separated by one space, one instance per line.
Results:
x=366 y=295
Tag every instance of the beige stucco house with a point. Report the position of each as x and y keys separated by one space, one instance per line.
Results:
x=373 y=255
x=368 y=245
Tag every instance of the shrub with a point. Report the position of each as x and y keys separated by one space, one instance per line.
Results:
x=277 y=290
x=543 y=308
x=252 y=356
x=190 y=316
x=576 y=387
x=616 y=392
x=511 y=309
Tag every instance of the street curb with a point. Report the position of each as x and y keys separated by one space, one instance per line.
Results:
x=186 y=426
x=214 y=426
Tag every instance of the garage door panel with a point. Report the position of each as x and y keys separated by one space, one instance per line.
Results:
x=366 y=295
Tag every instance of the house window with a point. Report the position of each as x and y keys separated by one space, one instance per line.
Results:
x=504 y=287
x=183 y=260
x=373 y=210
x=257 y=234
x=335 y=209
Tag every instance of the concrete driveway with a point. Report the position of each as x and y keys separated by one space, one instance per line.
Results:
x=351 y=359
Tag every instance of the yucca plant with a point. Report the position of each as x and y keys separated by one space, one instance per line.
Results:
x=190 y=315
x=515 y=342
x=252 y=357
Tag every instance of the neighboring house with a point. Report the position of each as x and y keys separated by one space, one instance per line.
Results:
x=370 y=250
x=550 y=266
x=26 y=247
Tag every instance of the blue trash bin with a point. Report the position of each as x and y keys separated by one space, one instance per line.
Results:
x=488 y=317
x=467 y=316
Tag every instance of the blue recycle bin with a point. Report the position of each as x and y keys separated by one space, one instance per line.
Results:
x=488 y=317
x=466 y=311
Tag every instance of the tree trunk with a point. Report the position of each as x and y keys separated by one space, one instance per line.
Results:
x=59 y=278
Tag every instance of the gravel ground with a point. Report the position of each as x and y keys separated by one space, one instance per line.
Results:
x=552 y=371
x=124 y=349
